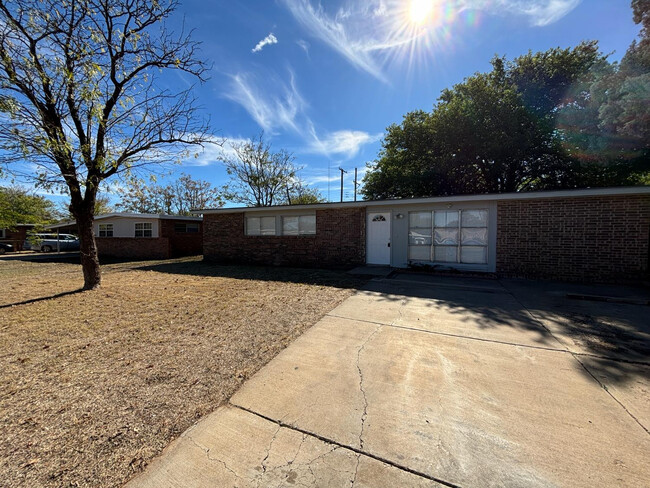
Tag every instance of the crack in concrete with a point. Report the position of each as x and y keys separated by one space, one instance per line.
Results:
x=576 y=356
x=364 y=415
x=268 y=449
x=207 y=450
x=356 y=450
x=356 y=470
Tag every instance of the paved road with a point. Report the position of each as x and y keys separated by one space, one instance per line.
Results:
x=416 y=382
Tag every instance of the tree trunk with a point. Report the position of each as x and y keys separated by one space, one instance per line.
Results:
x=89 y=257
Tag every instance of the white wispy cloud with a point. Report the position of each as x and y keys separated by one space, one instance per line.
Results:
x=345 y=142
x=277 y=105
x=207 y=155
x=338 y=32
x=270 y=39
x=367 y=32
x=272 y=103
x=543 y=12
x=304 y=45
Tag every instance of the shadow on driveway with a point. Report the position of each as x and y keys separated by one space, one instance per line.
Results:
x=612 y=339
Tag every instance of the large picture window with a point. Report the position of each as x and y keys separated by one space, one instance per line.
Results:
x=143 y=229
x=260 y=226
x=302 y=225
x=449 y=236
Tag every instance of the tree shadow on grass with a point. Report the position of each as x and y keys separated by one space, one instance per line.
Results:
x=611 y=339
x=40 y=299
x=310 y=276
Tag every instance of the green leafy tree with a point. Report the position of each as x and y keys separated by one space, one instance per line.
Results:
x=607 y=130
x=80 y=97
x=494 y=132
x=19 y=206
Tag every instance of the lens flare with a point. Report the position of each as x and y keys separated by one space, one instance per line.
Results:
x=420 y=10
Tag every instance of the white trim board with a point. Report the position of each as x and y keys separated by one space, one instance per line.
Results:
x=533 y=195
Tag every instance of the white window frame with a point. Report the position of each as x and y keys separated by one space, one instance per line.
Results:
x=147 y=227
x=459 y=245
x=302 y=231
x=108 y=228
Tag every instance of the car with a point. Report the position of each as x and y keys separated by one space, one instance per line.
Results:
x=4 y=247
x=53 y=242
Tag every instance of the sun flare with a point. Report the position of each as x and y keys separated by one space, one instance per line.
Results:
x=420 y=10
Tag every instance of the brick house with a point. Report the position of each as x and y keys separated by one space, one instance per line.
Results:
x=16 y=236
x=144 y=236
x=598 y=234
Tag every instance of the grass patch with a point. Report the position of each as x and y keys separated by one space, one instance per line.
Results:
x=94 y=384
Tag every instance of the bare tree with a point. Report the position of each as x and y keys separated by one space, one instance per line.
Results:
x=176 y=198
x=258 y=176
x=79 y=97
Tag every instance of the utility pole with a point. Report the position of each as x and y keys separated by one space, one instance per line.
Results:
x=355 y=184
x=342 y=171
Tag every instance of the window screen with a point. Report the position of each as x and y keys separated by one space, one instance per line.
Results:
x=449 y=236
x=420 y=236
x=260 y=226
x=299 y=225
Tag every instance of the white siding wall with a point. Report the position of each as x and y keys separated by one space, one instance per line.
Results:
x=125 y=227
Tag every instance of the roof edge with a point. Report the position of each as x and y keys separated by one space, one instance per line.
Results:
x=584 y=192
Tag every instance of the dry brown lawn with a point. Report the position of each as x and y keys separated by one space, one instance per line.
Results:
x=93 y=385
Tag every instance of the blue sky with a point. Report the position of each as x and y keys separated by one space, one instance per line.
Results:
x=324 y=80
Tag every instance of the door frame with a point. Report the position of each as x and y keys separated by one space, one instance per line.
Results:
x=390 y=235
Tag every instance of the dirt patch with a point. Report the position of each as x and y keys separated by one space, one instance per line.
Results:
x=93 y=385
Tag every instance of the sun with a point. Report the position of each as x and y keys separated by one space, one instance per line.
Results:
x=420 y=10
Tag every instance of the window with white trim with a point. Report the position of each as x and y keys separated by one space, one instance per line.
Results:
x=143 y=229
x=449 y=236
x=299 y=225
x=105 y=230
x=260 y=226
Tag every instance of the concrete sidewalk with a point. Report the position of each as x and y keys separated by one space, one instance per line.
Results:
x=446 y=383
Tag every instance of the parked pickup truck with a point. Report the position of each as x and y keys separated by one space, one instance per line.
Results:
x=50 y=242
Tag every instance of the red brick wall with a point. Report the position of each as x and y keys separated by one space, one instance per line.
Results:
x=134 y=247
x=601 y=238
x=16 y=237
x=339 y=241
x=182 y=244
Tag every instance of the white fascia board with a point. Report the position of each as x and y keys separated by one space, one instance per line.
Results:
x=126 y=215
x=536 y=195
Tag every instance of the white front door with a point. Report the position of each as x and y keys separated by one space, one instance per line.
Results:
x=378 y=230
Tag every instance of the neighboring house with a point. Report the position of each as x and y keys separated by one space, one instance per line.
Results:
x=144 y=236
x=594 y=234
x=16 y=236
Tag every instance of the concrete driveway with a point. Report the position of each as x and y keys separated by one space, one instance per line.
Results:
x=424 y=381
